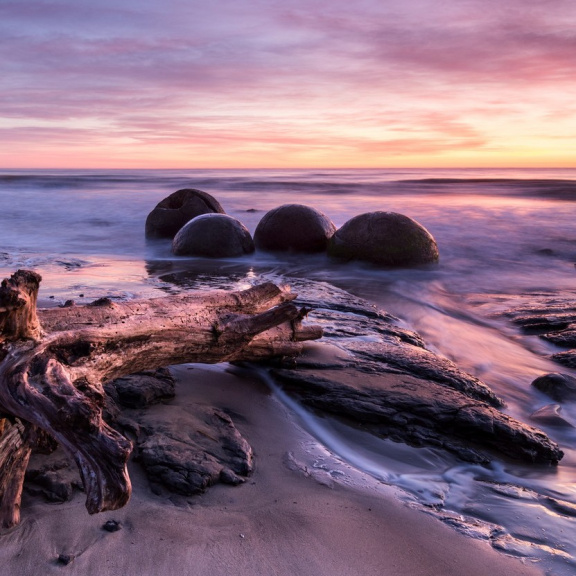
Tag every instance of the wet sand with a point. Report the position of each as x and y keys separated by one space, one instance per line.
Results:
x=286 y=519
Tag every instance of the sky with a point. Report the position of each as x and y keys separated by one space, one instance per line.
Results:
x=290 y=83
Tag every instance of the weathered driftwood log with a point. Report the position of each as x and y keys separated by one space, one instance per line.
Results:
x=53 y=363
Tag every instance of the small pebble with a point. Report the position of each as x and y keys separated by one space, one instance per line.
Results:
x=111 y=526
x=65 y=559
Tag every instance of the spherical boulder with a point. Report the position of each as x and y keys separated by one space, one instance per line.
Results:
x=175 y=210
x=294 y=228
x=213 y=236
x=384 y=238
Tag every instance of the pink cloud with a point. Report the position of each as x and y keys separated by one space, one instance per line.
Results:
x=414 y=75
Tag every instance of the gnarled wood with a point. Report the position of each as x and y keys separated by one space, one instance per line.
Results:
x=15 y=449
x=18 y=295
x=53 y=363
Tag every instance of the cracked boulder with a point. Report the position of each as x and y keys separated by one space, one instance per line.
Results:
x=171 y=213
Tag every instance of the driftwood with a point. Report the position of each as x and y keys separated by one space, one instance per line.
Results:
x=53 y=363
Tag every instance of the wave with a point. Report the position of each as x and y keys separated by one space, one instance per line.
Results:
x=562 y=189
x=77 y=181
x=346 y=182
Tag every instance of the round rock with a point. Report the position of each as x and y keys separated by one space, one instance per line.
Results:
x=294 y=228
x=175 y=210
x=558 y=386
x=213 y=236
x=384 y=238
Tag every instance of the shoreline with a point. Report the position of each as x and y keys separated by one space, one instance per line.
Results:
x=284 y=520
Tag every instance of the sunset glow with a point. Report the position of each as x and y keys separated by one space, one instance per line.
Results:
x=227 y=84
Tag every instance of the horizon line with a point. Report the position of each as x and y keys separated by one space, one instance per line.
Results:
x=309 y=168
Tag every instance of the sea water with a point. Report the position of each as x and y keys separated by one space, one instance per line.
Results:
x=506 y=238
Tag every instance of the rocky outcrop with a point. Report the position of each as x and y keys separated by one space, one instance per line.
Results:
x=142 y=389
x=213 y=236
x=373 y=374
x=567 y=358
x=367 y=371
x=564 y=338
x=52 y=476
x=294 y=228
x=171 y=213
x=418 y=412
x=553 y=319
x=385 y=239
x=188 y=452
x=182 y=450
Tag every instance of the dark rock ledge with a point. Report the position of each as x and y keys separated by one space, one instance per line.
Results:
x=184 y=449
x=553 y=319
x=372 y=373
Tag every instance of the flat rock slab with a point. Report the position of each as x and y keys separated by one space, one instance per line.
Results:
x=186 y=452
x=418 y=412
x=183 y=450
x=567 y=358
x=544 y=312
x=553 y=319
x=564 y=338
x=373 y=373
x=142 y=389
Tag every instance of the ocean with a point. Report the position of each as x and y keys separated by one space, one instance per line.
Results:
x=506 y=238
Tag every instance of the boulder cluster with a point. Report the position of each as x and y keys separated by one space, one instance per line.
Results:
x=198 y=226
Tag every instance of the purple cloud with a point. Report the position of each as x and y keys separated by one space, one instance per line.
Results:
x=411 y=74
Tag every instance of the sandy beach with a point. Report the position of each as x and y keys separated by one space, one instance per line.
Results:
x=286 y=519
